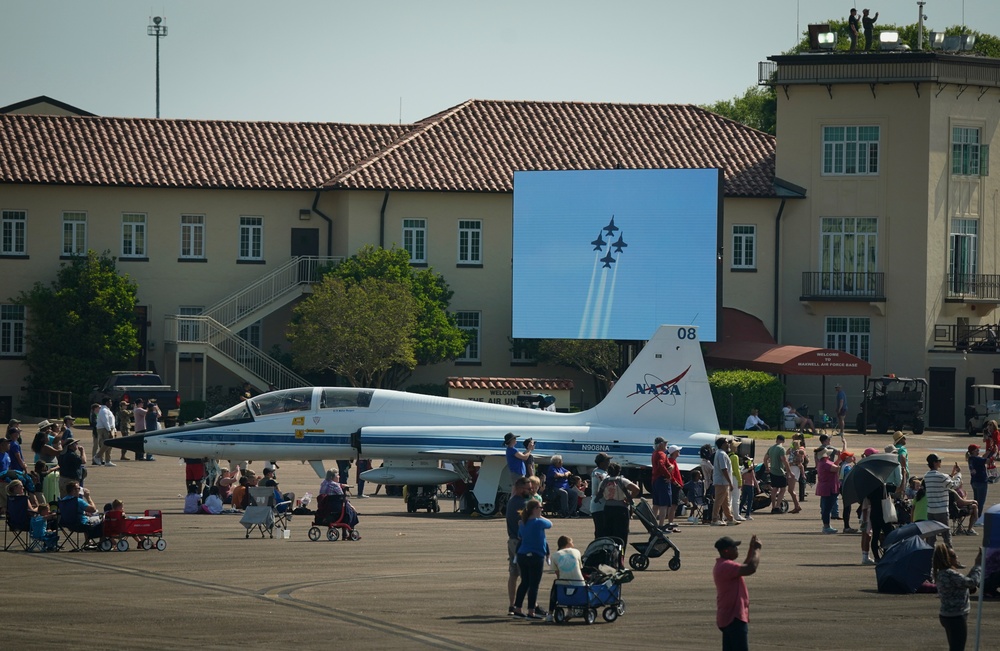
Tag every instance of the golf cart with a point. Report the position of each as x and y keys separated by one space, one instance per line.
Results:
x=985 y=409
x=892 y=402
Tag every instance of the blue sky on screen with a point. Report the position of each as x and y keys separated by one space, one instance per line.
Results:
x=575 y=280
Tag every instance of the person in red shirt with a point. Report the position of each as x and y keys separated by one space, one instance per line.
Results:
x=662 y=489
x=732 y=614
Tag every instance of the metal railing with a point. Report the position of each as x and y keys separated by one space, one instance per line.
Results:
x=974 y=286
x=843 y=285
x=298 y=271
x=981 y=339
x=220 y=340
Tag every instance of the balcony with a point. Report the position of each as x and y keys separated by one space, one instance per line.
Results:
x=863 y=286
x=973 y=288
x=966 y=338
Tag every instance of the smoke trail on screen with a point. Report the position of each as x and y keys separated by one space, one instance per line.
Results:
x=609 y=308
x=590 y=297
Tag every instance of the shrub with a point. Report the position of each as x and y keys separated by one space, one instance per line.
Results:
x=749 y=390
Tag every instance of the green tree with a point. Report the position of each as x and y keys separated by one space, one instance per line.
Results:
x=360 y=330
x=81 y=327
x=435 y=337
x=756 y=108
x=747 y=390
x=598 y=358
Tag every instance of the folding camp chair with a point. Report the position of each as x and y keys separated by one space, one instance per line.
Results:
x=267 y=496
x=69 y=524
x=18 y=522
x=42 y=540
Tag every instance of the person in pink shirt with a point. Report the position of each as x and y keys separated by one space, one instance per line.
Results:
x=827 y=488
x=732 y=614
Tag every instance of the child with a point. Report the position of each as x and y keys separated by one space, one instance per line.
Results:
x=912 y=486
x=694 y=490
x=536 y=486
x=568 y=567
x=213 y=504
x=749 y=486
x=42 y=529
x=192 y=503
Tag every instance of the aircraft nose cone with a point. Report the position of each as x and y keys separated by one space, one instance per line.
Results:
x=134 y=443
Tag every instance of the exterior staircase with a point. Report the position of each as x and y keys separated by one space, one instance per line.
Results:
x=213 y=332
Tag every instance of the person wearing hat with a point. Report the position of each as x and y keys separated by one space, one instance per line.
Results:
x=899 y=441
x=600 y=473
x=71 y=462
x=16 y=457
x=677 y=486
x=662 y=492
x=841 y=409
x=978 y=477
x=732 y=610
x=936 y=486
x=515 y=458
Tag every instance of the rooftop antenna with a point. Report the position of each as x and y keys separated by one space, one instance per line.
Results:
x=159 y=30
x=400 y=110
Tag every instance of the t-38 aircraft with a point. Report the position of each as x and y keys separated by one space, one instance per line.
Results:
x=427 y=439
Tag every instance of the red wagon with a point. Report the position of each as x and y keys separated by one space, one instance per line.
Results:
x=146 y=530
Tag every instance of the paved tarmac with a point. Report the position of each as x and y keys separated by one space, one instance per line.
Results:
x=439 y=581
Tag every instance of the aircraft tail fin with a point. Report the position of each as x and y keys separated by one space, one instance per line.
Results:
x=665 y=387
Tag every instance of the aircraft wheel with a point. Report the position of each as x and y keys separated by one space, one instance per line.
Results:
x=314 y=533
x=333 y=533
x=122 y=545
x=590 y=616
x=638 y=562
x=146 y=544
x=161 y=544
x=355 y=535
x=106 y=545
x=486 y=509
x=674 y=564
x=559 y=616
x=610 y=614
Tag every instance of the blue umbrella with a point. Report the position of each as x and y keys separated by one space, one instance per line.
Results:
x=924 y=529
x=904 y=566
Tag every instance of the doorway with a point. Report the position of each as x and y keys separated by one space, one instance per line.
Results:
x=941 y=410
x=305 y=242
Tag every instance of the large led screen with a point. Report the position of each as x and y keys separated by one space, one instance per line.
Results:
x=613 y=254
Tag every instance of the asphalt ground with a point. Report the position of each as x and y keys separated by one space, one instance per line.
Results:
x=439 y=581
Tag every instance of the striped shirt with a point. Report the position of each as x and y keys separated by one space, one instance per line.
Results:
x=937 y=484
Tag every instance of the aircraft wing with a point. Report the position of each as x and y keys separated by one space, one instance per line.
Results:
x=684 y=465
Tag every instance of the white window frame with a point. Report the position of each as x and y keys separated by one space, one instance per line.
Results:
x=966 y=151
x=519 y=354
x=471 y=321
x=251 y=237
x=12 y=330
x=851 y=334
x=470 y=241
x=744 y=246
x=74 y=233
x=848 y=246
x=851 y=150
x=963 y=238
x=134 y=241
x=193 y=237
x=415 y=239
x=14 y=232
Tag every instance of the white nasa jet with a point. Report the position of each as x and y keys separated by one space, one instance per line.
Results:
x=664 y=392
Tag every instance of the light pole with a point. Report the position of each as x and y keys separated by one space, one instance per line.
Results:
x=158 y=30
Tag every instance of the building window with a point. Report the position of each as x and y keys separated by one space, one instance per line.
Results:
x=850 y=150
x=469 y=321
x=74 y=233
x=963 y=244
x=192 y=236
x=850 y=334
x=470 y=241
x=848 y=253
x=415 y=239
x=519 y=353
x=133 y=235
x=251 y=238
x=11 y=330
x=966 y=152
x=744 y=246
x=15 y=228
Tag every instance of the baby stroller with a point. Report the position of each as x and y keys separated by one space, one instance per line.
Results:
x=336 y=514
x=659 y=542
x=602 y=551
x=762 y=499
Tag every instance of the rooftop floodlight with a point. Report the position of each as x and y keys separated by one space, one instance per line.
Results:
x=952 y=43
x=937 y=40
x=826 y=40
x=889 y=40
x=968 y=40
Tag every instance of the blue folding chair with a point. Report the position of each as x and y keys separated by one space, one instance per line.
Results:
x=18 y=522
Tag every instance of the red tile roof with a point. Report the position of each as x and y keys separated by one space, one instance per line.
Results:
x=477 y=146
x=518 y=383
x=473 y=147
x=182 y=153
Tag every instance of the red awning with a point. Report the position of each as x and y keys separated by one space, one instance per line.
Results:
x=745 y=343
